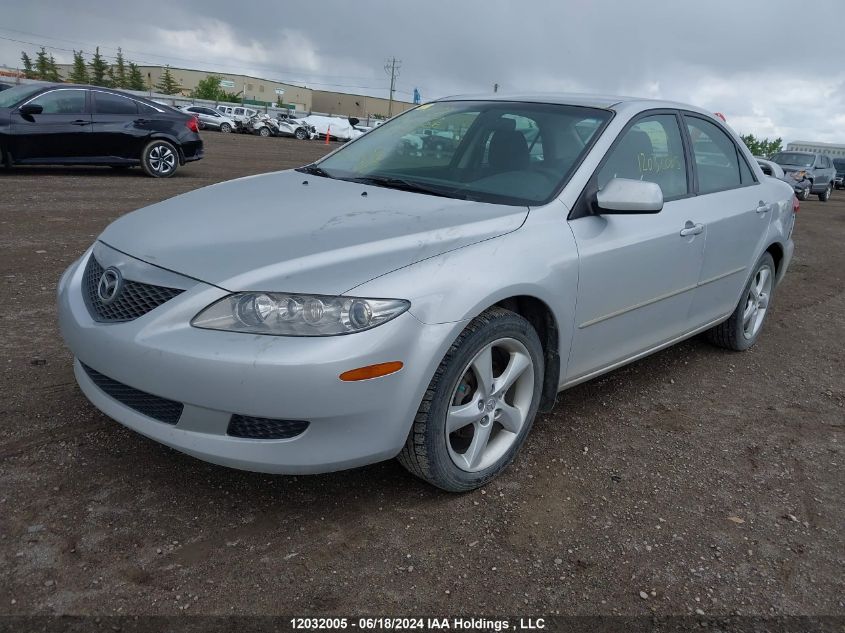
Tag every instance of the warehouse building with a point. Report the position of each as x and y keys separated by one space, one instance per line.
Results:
x=263 y=92
x=360 y=106
x=834 y=150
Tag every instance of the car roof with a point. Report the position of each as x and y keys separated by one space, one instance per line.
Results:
x=606 y=102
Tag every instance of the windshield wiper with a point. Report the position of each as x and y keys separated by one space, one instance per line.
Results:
x=314 y=170
x=401 y=184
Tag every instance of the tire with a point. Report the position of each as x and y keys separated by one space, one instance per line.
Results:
x=200 y=124
x=805 y=195
x=264 y=132
x=301 y=134
x=225 y=128
x=451 y=461
x=743 y=327
x=824 y=196
x=160 y=159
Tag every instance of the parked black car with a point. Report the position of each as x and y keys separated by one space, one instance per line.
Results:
x=63 y=124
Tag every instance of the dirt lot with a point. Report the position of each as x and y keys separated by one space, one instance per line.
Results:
x=705 y=479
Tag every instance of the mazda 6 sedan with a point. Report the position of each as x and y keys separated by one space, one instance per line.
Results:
x=426 y=305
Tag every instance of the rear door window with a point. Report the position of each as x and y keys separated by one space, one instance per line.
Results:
x=106 y=103
x=716 y=157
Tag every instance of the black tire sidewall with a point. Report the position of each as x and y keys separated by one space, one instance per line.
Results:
x=145 y=156
x=443 y=470
x=741 y=342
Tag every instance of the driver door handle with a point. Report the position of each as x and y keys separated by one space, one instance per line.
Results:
x=691 y=229
x=80 y=122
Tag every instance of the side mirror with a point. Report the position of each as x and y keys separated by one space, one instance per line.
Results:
x=353 y=121
x=622 y=195
x=31 y=108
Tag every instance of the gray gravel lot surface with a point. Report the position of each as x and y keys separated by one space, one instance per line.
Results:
x=696 y=479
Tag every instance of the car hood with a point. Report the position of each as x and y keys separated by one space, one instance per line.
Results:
x=293 y=232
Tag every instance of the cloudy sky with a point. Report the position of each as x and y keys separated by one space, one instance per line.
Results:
x=745 y=58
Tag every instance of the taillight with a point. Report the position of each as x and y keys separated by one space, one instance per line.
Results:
x=192 y=124
x=795 y=204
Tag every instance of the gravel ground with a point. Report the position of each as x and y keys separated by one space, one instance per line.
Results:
x=696 y=479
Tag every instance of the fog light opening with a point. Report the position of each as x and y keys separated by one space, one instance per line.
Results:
x=371 y=371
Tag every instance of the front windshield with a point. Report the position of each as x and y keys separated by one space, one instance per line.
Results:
x=10 y=97
x=495 y=151
x=794 y=158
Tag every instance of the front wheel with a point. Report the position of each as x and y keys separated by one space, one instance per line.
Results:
x=743 y=327
x=160 y=159
x=824 y=196
x=804 y=195
x=480 y=405
x=301 y=134
x=225 y=128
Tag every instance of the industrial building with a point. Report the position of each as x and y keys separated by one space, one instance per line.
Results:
x=834 y=150
x=263 y=92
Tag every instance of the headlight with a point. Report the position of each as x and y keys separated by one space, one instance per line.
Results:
x=297 y=315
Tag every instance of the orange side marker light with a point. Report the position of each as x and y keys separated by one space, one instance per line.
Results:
x=371 y=371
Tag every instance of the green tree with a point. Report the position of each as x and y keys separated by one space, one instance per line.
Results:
x=167 y=84
x=209 y=88
x=42 y=64
x=135 y=80
x=52 y=70
x=762 y=147
x=79 y=71
x=121 y=80
x=99 y=69
x=28 y=68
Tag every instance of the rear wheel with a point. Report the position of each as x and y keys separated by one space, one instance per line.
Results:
x=480 y=405
x=160 y=159
x=824 y=196
x=743 y=327
x=225 y=128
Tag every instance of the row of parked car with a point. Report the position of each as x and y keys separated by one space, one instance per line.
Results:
x=806 y=172
x=225 y=118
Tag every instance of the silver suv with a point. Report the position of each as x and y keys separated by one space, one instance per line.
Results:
x=210 y=118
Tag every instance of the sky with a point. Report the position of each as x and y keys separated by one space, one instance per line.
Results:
x=744 y=58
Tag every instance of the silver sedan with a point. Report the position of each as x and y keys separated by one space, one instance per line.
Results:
x=426 y=304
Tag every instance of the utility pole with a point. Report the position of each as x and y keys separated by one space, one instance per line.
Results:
x=392 y=68
x=495 y=87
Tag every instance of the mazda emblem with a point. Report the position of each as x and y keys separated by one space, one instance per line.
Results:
x=110 y=285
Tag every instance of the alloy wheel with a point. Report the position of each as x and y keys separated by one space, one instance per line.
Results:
x=162 y=159
x=490 y=405
x=757 y=302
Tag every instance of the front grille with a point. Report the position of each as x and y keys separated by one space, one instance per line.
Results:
x=160 y=409
x=265 y=428
x=135 y=299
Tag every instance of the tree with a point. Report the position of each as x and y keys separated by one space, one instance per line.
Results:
x=762 y=147
x=167 y=84
x=119 y=71
x=135 y=80
x=42 y=64
x=28 y=68
x=209 y=88
x=99 y=69
x=52 y=70
x=79 y=71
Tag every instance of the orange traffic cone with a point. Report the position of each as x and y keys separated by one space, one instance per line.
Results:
x=328 y=134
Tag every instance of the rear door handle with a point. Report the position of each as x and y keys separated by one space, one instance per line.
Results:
x=763 y=207
x=691 y=229
x=80 y=122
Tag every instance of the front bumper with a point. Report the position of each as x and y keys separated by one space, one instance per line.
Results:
x=217 y=374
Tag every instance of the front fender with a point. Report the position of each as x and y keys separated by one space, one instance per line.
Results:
x=539 y=260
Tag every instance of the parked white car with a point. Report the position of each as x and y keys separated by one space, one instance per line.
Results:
x=209 y=118
x=337 y=127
